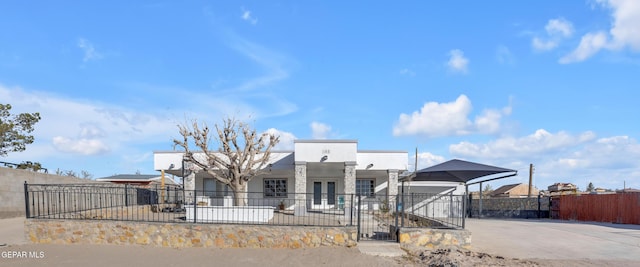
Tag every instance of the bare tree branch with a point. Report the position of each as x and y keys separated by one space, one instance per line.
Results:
x=231 y=164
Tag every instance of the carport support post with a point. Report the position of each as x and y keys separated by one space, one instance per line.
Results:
x=480 y=203
x=539 y=206
x=464 y=208
x=467 y=206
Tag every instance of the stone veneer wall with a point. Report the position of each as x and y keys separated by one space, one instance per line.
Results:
x=178 y=235
x=523 y=208
x=420 y=238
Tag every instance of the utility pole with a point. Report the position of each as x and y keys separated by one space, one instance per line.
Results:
x=530 y=179
x=415 y=170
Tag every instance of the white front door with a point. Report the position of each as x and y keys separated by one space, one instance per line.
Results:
x=324 y=194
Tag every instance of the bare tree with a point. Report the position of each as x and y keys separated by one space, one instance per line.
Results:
x=86 y=175
x=241 y=156
x=487 y=190
x=590 y=187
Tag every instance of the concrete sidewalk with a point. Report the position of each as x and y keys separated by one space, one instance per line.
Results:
x=381 y=248
x=552 y=239
x=12 y=231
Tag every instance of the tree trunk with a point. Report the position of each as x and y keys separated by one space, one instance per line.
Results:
x=240 y=194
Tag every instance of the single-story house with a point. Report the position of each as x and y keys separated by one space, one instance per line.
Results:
x=514 y=191
x=562 y=189
x=317 y=172
x=137 y=179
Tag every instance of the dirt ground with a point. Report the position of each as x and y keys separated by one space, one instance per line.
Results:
x=108 y=255
x=15 y=251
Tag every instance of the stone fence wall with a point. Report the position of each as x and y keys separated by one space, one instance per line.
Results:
x=420 y=238
x=523 y=208
x=181 y=235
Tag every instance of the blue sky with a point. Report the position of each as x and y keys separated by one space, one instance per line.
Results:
x=507 y=83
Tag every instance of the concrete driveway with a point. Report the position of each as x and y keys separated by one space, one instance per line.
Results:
x=553 y=239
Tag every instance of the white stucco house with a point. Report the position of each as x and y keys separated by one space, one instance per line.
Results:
x=317 y=172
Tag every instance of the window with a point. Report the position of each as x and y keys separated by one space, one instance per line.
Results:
x=213 y=188
x=209 y=187
x=275 y=187
x=365 y=187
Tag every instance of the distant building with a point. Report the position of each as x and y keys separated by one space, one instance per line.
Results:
x=628 y=190
x=137 y=179
x=562 y=189
x=514 y=191
x=601 y=191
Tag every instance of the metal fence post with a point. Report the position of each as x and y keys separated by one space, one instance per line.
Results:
x=126 y=195
x=413 y=205
x=359 y=219
x=396 y=215
x=26 y=199
x=351 y=211
x=195 y=208
x=402 y=204
x=451 y=205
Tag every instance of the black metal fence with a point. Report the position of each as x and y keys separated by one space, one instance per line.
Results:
x=373 y=214
x=433 y=210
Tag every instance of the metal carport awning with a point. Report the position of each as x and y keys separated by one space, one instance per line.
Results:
x=460 y=171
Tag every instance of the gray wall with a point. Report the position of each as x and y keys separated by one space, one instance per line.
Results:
x=12 y=188
x=523 y=208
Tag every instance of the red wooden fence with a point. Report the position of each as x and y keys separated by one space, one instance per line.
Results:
x=614 y=208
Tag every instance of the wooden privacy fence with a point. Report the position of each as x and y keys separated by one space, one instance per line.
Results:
x=613 y=208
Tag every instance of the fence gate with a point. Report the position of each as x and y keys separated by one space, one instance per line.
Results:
x=376 y=218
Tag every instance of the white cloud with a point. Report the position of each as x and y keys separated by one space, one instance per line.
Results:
x=504 y=55
x=90 y=52
x=541 y=45
x=425 y=160
x=320 y=130
x=91 y=131
x=590 y=44
x=457 y=62
x=624 y=32
x=559 y=26
x=407 y=72
x=246 y=16
x=561 y=157
x=286 y=139
x=607 y=162
x=534 y=144
x=273 y=62
x=626 y=18
x=557 y=30
x=252 y=96
x=80 y=146
x=489 y=121
x=445 y=119
x=87 y=128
